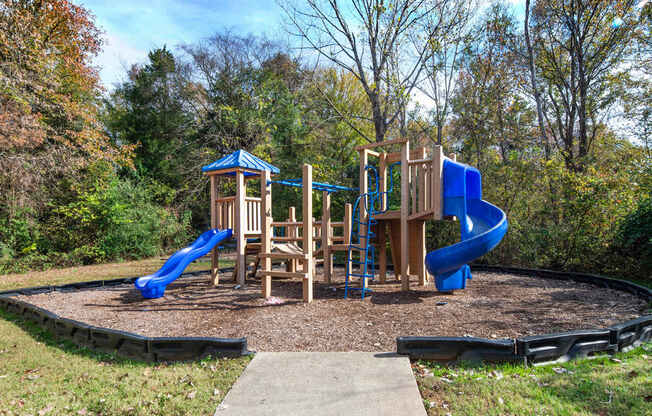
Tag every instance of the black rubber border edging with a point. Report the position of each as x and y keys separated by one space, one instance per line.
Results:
x=539 y=349
x=124 y=344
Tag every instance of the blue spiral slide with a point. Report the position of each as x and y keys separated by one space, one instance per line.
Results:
x=153 y=285
x=482 y=225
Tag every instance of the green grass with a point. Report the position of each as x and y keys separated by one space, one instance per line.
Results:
x=95 y=272
x=40 y=375
x=619 y=385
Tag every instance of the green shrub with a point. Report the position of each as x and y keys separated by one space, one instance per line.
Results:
x=97 y=217
x=633 y=241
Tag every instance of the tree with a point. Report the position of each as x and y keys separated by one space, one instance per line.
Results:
x=228 y=70
x=534 y=84
x=580 y=54
x=49 y=125
x=149 y=111
x=488 y=109
x=49 y=87
x=452 y=25
x=382 y=44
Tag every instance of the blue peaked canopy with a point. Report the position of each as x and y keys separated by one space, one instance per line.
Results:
x=241 y=159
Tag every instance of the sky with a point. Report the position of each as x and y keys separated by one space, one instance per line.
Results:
x=133 y=27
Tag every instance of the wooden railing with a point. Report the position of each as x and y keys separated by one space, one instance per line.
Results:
x=421 y=198
x=253 y=215
x=225 y=208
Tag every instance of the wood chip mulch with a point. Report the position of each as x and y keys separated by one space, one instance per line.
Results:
x=493 y=306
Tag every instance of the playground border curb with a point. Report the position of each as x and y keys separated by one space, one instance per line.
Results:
x=125 y=344
x=539 y=349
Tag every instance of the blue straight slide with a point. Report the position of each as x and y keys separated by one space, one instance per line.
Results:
x=153 y=285
x=482 y=225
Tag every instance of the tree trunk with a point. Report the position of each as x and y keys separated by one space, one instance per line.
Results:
x=537 y=97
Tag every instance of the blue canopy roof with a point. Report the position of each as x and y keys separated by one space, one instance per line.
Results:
x=240 y=159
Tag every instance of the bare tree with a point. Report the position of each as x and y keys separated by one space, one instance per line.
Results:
x=533 y=80
x=451 y=24
x=580 y=55
x=366 y=37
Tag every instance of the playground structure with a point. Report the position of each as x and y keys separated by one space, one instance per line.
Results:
x=431 y=187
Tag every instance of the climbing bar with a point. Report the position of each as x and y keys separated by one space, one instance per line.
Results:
x=318 y=186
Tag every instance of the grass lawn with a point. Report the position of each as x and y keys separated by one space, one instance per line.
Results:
x=40 y=375
x=618 y=385
x=96 y=272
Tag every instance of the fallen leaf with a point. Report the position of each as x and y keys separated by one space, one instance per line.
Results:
x=45 y=410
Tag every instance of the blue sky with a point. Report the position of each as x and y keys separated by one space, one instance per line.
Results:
x=132 y=28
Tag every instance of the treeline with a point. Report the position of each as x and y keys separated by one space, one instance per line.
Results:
x=554 y=112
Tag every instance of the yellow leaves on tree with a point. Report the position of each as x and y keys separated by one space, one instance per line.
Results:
x=48 y=87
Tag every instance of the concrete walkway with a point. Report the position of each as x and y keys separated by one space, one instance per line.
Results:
x=324 y=383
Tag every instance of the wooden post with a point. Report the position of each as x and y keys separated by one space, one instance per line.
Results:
x=405 y=211
x=382 y=250
x=382 y=179
x=381 y=228
x=326 y=235
x=215 y=259
x=307 y=232
x=266 y=230
x=240 y=221
x=362 y=211
x=292 y=232
x=348 y=223
x=437 y=186
x=421 y=225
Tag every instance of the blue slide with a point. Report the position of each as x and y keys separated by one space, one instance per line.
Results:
x=153 y=285
x=482 y=225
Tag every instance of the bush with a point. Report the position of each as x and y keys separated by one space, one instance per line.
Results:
x=99 y=217
x=633 y=241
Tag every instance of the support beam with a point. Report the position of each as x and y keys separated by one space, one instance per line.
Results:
x=307 y=233
x=405 y=210
x=266 y=231
x=437 y=184
x=382 y=250
x=292 y=232
x=326 y=236
x=362 y=211
x=240 y=222
x=348 y=223
x=215 y=259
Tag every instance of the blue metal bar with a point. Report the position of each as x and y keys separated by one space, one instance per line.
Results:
x=319 y=186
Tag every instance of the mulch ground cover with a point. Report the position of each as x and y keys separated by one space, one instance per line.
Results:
x=493 y=306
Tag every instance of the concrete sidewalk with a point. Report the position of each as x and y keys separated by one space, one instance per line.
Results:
x=324 y=383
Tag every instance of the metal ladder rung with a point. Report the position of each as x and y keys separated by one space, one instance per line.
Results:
x=371 y=276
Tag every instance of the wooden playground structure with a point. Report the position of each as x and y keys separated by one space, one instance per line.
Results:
x=404 y=227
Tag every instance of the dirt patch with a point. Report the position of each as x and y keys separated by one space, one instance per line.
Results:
x=492 y=306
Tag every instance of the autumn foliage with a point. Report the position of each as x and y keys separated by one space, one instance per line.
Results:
x=48 y=87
